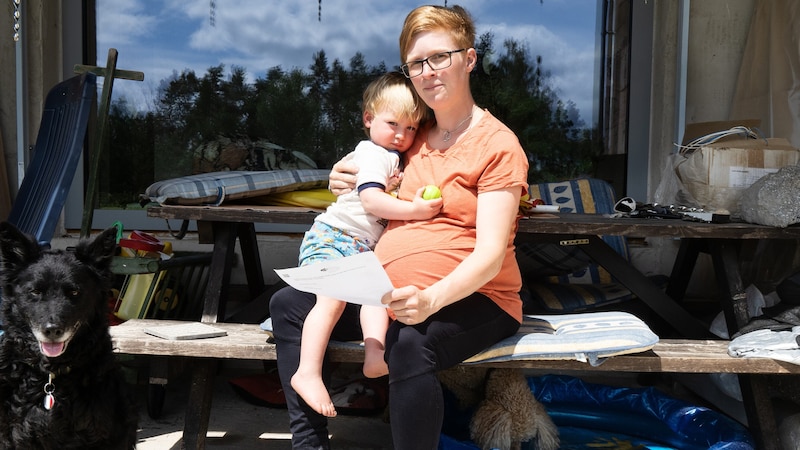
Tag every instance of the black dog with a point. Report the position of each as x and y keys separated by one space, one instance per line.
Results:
x=60 y=385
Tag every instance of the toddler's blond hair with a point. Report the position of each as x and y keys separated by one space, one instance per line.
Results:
x=394 y=92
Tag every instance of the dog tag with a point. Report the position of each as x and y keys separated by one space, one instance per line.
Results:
x=49 y=401
x=49 y=398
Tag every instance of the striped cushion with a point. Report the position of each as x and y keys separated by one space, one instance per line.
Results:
x=584 y=196
x=563 y=278
x=541 y=260
x=588 y=337
x=561 y=298
x=217 y=187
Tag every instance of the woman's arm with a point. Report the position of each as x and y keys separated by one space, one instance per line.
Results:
x=497 y=213
x=377 y=202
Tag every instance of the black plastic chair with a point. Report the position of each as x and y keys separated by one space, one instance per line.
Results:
x=56 y=153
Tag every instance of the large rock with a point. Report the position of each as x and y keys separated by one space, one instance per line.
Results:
x=774 y=199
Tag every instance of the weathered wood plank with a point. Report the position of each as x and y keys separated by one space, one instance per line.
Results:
x=237 y=213
x=555 y=224
x=593 y=224
x=245 y=341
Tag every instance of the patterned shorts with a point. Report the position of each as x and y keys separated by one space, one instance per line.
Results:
x=323 y=242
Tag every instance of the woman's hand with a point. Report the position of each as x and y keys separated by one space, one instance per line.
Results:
x=342 y=178
x=497 y=212
x=410 y=304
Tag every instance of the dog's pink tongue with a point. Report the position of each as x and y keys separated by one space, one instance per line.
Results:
x=52 y=349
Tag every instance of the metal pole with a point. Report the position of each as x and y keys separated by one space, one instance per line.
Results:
x=681 y=74
x=22 y=136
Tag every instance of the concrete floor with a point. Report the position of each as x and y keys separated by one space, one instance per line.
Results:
x=237 y=424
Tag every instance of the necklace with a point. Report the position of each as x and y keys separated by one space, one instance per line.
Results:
x=448 y=133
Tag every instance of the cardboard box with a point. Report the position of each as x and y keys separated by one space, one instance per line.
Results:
x=715 y=174
x=696 y=130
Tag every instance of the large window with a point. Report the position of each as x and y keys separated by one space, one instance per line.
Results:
x=228 y=81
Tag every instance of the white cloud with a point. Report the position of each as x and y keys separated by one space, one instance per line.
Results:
x=158 y=37
x=570 y=69
x=122 y=21
x=289 y=33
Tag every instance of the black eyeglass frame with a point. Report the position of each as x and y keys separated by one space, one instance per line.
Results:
x=406 y=69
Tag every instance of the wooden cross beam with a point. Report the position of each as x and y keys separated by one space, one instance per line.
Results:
x=109 y=72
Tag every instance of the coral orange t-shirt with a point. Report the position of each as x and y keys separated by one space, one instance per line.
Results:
x=488 y=157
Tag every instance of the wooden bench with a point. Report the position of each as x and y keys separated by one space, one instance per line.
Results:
x=247 y=341
x=225 y=225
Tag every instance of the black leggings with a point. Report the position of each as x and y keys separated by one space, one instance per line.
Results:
x=414 y=354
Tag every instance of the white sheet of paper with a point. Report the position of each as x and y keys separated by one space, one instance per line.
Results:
x=356 y=279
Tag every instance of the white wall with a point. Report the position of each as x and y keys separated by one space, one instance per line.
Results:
x=716 y=37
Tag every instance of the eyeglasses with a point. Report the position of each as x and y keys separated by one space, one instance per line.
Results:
x=435 y=62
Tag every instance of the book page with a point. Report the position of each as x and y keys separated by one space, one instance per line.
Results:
x=356 y=279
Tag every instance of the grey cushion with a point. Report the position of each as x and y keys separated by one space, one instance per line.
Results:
x=217 y=187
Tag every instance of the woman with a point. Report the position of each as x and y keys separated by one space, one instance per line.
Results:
x=456 y=275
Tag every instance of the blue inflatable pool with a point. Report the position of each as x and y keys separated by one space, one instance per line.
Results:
x=644 y=414
x=592 y=416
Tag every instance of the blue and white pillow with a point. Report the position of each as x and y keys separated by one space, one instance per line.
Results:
x=588 y=337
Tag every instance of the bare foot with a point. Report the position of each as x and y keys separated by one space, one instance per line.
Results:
x=315 y=394
x=374 y=365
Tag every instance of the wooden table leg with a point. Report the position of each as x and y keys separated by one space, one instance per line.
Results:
x=248 y=243
x=682 y=268
x=258 y=308
x=198 y=407
x=644 y=289
x=733 y=298
x=156 y=385
x=760 y=411
x=755 y=389
x=220 y=271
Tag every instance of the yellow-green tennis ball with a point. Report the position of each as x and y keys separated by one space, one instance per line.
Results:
x=431 y=192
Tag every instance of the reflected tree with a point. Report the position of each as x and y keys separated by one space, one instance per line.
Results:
x=318 y=112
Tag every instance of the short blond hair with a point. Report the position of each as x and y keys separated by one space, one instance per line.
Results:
x=394 y=92
x=454 y=20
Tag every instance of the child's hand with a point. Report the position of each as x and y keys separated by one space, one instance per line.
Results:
x=394 y=182
x=425 y=209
